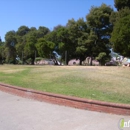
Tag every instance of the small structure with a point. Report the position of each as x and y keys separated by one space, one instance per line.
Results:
x=44 y=62
x=74 y=62
x=126 y=62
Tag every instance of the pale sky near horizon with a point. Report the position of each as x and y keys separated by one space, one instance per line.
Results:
x=48 y=13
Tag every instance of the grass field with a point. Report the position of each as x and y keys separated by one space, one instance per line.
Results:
x=110 y=84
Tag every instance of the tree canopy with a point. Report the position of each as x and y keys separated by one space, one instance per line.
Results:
x=44 y=47
x=121 y=36
x=120 y=4
x=92 y=37
x=99 y=21
x=120 y=20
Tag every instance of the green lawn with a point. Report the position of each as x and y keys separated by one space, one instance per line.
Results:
x=101 y=83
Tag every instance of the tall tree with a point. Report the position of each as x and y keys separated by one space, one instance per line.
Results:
x=57 y=27
x=120 y=4
x=33 y=29
x=21 y=40
x=60 y=37
x=1 y=51
x=44 y=47
x=30 y=46
x=63 y=42
x=75 y=29
x=99 y=21
x=22 y=30
x=10 y=51
x=121 y=36
x=117 y=15
x=42 y=31
x=82 y=36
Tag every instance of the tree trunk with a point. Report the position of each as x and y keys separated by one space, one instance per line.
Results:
x=80 y=62
x=67 y=62
x=91 y=61
x=1 y=61
x=32 y=61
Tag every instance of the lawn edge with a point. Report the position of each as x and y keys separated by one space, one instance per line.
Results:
x=81 y=103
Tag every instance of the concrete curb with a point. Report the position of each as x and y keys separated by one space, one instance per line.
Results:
x=81 y=103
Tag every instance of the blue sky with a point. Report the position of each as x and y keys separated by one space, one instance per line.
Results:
x=49 y=13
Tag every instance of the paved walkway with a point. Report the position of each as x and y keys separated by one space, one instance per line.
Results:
x=17 y=113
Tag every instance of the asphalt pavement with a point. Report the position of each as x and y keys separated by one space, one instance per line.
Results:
x=17 y=113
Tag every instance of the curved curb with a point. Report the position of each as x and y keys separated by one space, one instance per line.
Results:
x=81 y=103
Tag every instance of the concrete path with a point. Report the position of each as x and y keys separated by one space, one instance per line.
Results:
x=17 y=113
